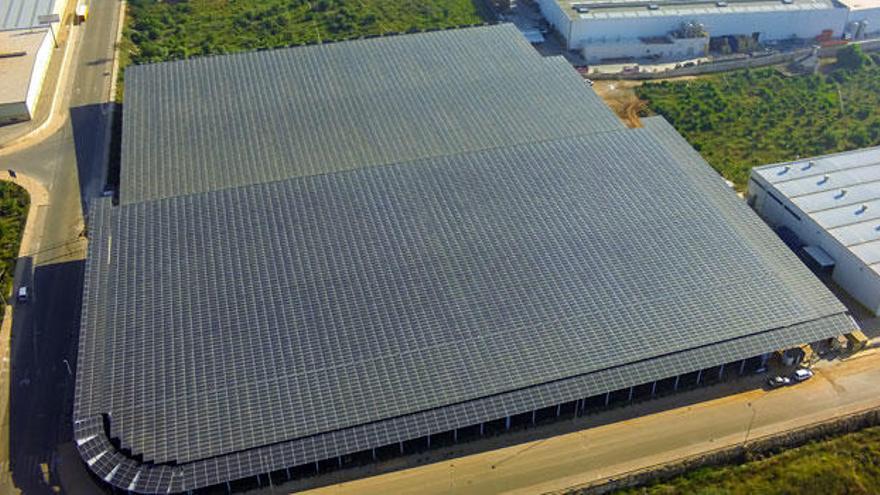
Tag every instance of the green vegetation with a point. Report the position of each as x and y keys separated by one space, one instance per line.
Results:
x=849 y=464
x=742 y=119
x=13 y=211
x=169 y=30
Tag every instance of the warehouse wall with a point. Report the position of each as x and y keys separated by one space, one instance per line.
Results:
x=870 y=15
x=772 y=25
x=38 y=73
x=595 y=53
x=552 y=11
x=850 y=272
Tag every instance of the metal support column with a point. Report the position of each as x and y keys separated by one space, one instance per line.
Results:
x=558 y=410
x=653 y=389
x=721 y=372
x=534 y=414
x=507 y=423
x=699 y=376
x=607 y=399
x=317 y=467
x=577 y=407
x=677 y=378
x=631 y=390
x=340 y=461
x=401 y=447
x=373 y=451
x=287 y=471
x=455 y=435
x=481 y=428
x=429 y=441
x=742 y=367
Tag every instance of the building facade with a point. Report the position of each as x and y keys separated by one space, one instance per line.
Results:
x=832 y=205
x=595 y=27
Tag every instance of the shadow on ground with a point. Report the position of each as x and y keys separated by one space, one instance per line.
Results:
x=91 y=131
x=43 y=351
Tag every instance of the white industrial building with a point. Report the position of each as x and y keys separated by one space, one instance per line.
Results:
x=832 y=204
x=605 y=30
x=26 y=48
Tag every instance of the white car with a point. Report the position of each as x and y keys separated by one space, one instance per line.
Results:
x=22 y=295
x=802 y=375
x=778 y=381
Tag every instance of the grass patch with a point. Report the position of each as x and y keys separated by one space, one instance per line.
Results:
x=171 y=30
x=849 y=464
x=14 y=201
x=754 y=117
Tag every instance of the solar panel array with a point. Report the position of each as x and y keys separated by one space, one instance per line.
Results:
x=255 y=324
x=210 y=123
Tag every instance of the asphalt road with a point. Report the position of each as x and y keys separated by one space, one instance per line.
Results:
x=71 y=163
x=573 y=453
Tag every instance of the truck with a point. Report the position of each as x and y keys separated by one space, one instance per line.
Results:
x=81 y=13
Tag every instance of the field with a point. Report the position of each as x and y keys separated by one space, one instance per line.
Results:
x=13 y=212
x=158 y=31
x=843 y=465
x=753 y=117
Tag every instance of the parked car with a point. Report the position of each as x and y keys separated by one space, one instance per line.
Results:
x=802 y=375
x=778 y=381
x=22 y=294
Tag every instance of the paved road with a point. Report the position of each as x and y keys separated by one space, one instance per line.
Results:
x=580 y=455
x=71 y=163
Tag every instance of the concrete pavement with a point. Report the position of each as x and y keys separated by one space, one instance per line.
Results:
x=587 y=450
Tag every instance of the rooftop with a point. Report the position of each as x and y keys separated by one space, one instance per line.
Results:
x=840 y=192
x=235 y=323
x=604 y=9
x=860 y=4
x=191 y=125
x=23 y=14
x=18 y=53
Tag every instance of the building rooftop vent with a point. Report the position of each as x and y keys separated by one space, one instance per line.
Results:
x=862 y=209
x=840 y=194
x=784 y=170
x=808 y=165
x=825 y=178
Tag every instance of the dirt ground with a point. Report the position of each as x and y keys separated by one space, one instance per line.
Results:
x=621 y=97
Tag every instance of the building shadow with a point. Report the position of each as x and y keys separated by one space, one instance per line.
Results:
x=45 y=333
x=92 y=132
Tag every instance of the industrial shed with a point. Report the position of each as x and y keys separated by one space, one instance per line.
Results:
x=606 y=31
x=26 y=49
x=24 y=60
x=329 y=254
x=832 y=205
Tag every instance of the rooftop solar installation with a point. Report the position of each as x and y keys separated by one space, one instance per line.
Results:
x=215 y=122
x=321 y=307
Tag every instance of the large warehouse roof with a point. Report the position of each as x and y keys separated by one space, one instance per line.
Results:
x=209 y=123
x=840 y=192
x=353 y=297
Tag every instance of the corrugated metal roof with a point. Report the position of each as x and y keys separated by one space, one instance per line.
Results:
x=840 y=192
x=23 y=14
